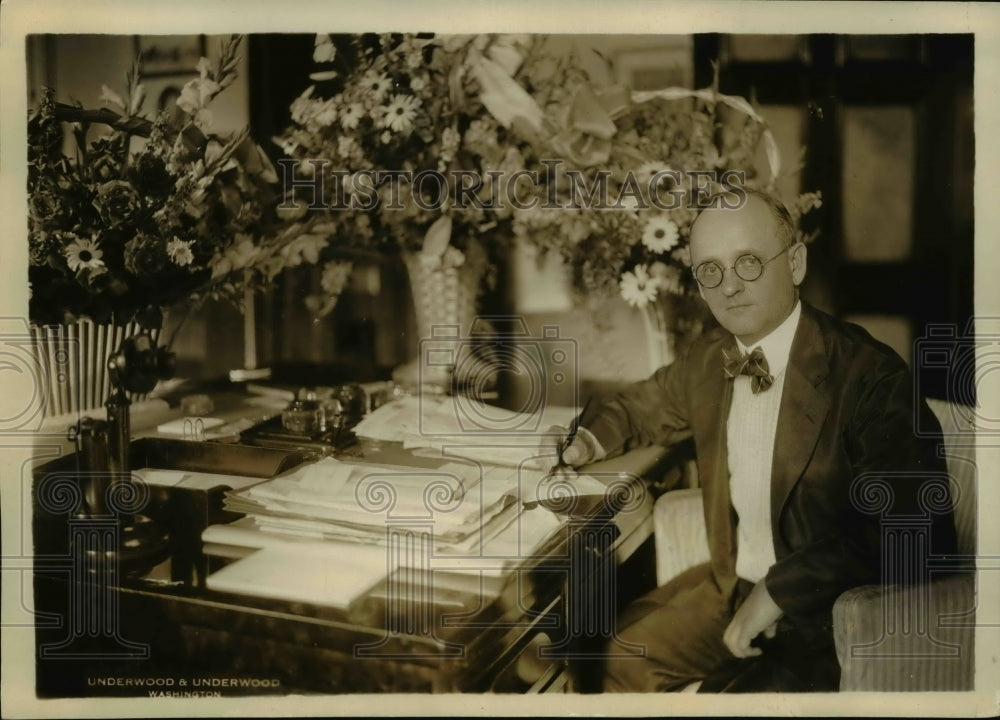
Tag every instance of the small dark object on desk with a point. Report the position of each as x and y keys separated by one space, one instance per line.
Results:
x=272 y=433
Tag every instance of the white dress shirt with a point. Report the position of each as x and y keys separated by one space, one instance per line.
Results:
x=753 y=420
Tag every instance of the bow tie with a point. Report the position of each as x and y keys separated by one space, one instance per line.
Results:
x=753 y=364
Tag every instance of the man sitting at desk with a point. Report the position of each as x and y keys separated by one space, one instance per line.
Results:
x=788 y=407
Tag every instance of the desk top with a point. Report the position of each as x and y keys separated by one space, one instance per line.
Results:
x=459 y=628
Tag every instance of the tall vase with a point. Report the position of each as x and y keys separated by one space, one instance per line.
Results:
x=73 y=363
x=660 y=341
x=445 y=301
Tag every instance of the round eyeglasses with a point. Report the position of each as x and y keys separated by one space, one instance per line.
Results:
x=747 y=267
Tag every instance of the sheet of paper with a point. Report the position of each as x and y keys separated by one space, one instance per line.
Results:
x=334 y=575
x=195 y=480
x=465 y=428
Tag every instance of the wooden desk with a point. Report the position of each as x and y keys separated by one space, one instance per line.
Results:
x=115 y=634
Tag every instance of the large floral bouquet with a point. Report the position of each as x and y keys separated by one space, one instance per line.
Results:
x=151 y=212
x=406 y=131
x=628 y=174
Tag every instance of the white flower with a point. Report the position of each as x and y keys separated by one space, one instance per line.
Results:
x=110 y=96
x=414 y=60
x=682 y=255
x=288 y=147
x=335 y=276
x=180 y=252
x=238 y=256
x=345 y=145
x=351 y=116
x=647 y=171
x=453 y=257
x=480 y=134
x=376 y=84
x=666 y=277
x=450 y=138
x=401 y=112
x=305 y=248
x=196 y=94
x=326 y=114
x=638 y=289
x=660 y=234
x=302 y=104
x=84 y=254
x=386 y=137
x=324 y=50
x=417 y=83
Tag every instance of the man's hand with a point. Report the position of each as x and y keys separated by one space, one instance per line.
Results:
x=576 y=454
x=758 y=614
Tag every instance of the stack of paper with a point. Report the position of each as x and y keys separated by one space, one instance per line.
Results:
x=328 y=574
x=462 y=427
x=461 y=506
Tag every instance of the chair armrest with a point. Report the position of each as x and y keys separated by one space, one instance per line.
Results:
x=681 y=538
x=907 y=639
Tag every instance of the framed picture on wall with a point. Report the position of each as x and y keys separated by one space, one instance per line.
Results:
x=655 y=68
x=169 y=54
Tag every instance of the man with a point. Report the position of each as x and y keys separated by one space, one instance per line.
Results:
x=780 y=439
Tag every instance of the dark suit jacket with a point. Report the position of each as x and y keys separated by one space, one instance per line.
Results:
x=846 y=420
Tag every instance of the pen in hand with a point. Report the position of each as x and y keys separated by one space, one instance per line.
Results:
x=564 y=444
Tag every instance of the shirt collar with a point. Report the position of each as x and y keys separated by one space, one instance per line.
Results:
x=777 y=344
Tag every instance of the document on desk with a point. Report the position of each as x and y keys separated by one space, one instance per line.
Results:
x=469 y=510
x=465 y=428
x=332 y=498
x=332 y=574
x=194 y=480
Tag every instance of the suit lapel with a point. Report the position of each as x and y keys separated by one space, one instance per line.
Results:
x=803 y=411
x=709 y=416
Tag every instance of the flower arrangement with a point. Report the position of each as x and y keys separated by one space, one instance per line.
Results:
x=609 y=180
x=395 y=123
x=151 y=212
x=633 y=171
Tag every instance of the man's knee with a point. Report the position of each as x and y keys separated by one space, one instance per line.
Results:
x=626 y=663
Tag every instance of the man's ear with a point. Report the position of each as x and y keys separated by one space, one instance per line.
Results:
x=797 y=261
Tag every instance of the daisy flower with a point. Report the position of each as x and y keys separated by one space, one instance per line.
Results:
x=351 y=116
x=84 y=254
x=647 y=171
x=376 y=84
x=180 y=252
x=417 y=83
x=638 y=289
x=660 y=234
x=400 y=114
x=326 y=114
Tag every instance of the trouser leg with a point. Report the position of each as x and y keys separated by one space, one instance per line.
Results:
x=678 y=630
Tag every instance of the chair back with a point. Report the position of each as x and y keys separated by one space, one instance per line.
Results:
x=958 y=428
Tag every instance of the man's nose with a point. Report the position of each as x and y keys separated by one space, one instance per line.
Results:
x=731 y=283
